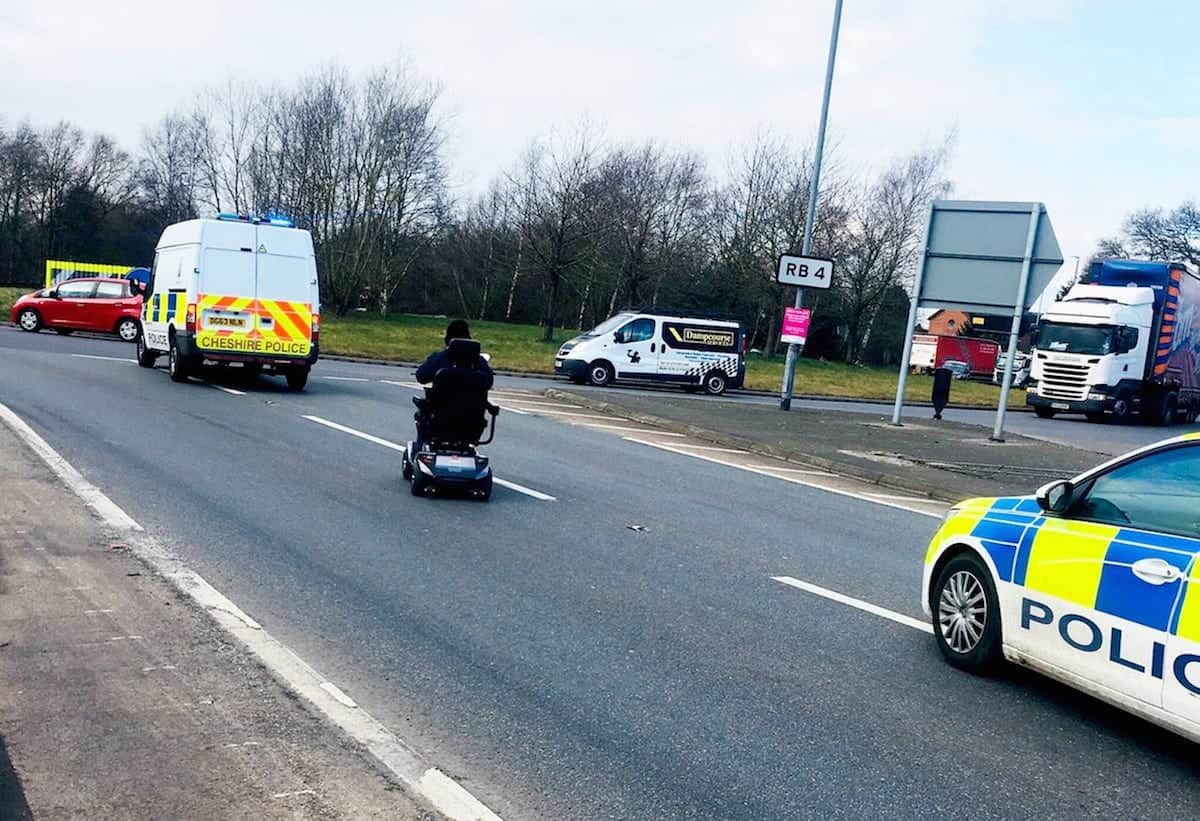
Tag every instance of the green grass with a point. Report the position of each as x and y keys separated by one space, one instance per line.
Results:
x=7 y=297
x=513 y=347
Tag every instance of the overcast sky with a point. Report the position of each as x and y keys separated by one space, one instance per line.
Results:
x=1092 y=107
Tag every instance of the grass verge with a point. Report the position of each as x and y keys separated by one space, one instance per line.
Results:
x=520 y=348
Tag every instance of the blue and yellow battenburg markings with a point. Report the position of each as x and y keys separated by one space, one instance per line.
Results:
x=165 y=307
x=1083 y=562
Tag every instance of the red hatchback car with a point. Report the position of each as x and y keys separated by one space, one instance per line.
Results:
x=104 y=305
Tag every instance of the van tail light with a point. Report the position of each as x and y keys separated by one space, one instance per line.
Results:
x=316 y=328
x=190 y=318
x=745 y=344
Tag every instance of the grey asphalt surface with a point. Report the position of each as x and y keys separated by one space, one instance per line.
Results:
x=561 y=665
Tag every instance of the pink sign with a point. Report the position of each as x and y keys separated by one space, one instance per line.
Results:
x=795 y=326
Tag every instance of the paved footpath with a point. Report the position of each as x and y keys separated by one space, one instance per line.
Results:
x=119 y=699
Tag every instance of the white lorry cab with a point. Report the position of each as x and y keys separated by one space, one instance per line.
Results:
x=689 y=351
x=232 y=290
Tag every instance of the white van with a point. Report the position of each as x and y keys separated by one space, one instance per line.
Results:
x=233 y=289
x=692 y=352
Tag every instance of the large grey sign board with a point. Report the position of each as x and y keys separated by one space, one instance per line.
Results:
x=982 y=257
x=975 y=252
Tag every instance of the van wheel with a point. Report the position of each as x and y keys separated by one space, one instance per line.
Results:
x=714 y=383
x=297 y=378
x=127 y=329
x=176 y=367
x=966 y=614
x=29 y=320
x=145 y=356
x=600 y=374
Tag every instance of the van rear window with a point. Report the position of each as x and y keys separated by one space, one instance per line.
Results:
x=693 y=337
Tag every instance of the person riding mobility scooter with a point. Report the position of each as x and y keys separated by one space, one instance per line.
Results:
x=451 y=419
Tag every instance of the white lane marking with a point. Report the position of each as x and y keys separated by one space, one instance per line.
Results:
x=108 y=512
x=850 y=601
x=511 y=409
x=230 y=390
x=709 y=447
x=528 y=491
x=801 y=471
x=917 y=499
x=94 y=612
x=568 y=414
x=347 y=378
x=338 y=693
x=623 y=428
x=416 y=386
x=105 y=358
x=761 y=472
x=154 y=669
x=446 y=795
x=536 y=494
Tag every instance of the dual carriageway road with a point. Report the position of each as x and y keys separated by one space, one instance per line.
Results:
x=609 y=636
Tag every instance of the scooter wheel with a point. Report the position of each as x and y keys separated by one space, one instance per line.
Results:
x=418 y=485
x=485 y=490
x=407 y=472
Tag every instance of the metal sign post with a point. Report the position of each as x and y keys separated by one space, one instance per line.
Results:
x=985 y=258
x=793 y=352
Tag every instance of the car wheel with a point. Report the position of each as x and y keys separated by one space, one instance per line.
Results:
x=1043 y=412
x=600 y=374
x=175 y=364
x=145 y=356
x=29 y=320
x=128 y=329
x=966 y=614
x=297 y=378
x=714 y=383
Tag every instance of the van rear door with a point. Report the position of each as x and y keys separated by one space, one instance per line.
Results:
x=286 y=282
x=225 y=290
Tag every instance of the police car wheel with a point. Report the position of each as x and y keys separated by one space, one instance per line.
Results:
x=600 y=374
x=966 y=620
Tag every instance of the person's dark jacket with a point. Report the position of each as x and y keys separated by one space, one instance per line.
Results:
x=441 y=359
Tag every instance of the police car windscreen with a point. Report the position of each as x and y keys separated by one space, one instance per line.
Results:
x=690 y=336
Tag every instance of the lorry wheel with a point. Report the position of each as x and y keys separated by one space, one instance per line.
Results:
x=1122 y=408
x=600 y=374
x=1044 y=413
x=1168 y=410
x=145 y=356
x=297 y=378
x=176 y=367
x=1095 y=416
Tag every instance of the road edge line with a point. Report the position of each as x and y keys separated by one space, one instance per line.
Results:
x=857 y=604
x=443 y=793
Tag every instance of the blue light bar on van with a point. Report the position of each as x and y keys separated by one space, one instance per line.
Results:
x=281 y=221
x=225 y=215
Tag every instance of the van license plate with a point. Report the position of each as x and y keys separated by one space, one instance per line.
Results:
x=1060 y=406
x=456 y=463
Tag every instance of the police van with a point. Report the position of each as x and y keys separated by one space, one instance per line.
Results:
x=1095 y=581
x=641 y=347
x=232 y=290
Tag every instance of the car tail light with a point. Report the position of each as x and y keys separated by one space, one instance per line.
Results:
x=316 y=328
x=191 y=318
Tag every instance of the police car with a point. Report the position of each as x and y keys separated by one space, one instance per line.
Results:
x=1095 y=582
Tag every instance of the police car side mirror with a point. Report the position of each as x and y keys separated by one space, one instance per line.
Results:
x=1056 y=497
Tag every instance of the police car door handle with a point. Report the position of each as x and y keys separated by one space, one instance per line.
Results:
x=1155 y=571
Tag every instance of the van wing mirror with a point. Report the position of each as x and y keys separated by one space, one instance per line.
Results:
x=1056 y=497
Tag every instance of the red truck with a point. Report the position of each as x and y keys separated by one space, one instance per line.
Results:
x=930 y=351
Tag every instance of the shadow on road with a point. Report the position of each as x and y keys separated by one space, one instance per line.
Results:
x=12 y=798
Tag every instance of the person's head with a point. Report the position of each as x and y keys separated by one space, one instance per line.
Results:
x=457 y=329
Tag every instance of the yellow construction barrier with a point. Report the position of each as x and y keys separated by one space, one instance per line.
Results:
x=60 y=271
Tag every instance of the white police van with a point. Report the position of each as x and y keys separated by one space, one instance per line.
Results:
x=641 y=347
x=232 y=290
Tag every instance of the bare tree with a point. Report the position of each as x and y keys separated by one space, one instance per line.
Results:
x=1153 y=233
x=167 y=173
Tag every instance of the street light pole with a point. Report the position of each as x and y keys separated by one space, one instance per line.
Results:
x=793 y=352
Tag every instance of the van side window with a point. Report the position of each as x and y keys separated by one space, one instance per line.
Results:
x=637 y=331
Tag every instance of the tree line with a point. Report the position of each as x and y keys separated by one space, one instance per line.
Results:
x=577 y=228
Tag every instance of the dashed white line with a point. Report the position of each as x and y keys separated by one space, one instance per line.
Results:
x=416 y=386
x=764 y=472
x=517 y=411
x=346 y=378
x=710 y=448
x=536 y=494
x=230 y=390
x=105 y=358
x=850 y=601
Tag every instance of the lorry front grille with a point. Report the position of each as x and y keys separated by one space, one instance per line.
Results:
x=1064 y=381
